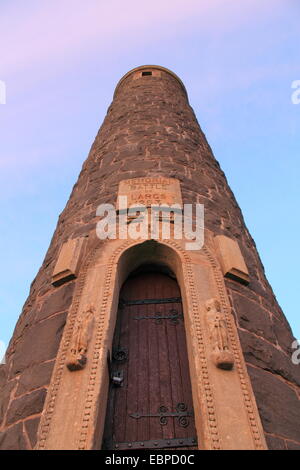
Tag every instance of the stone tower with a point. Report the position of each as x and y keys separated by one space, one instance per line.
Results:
x=187 y=347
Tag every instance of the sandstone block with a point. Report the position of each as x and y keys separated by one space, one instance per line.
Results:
x=278 y=404
x=35 y=377
x=36 y=346
x=57 y=301
x=31 y=426
x=25 y=406
x=252 y=317
x=13 y=438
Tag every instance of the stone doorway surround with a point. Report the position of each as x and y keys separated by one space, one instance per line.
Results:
x=226 y=414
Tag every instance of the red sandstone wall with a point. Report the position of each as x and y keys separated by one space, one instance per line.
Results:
x=151 y=130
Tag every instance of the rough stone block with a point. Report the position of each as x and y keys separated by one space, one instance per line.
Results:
x=262 y=354
x=35 y=377
x=283 y=334
x=57 y=301
x=293 y=445
x=278 y=404
x=13 y=438
x=5 y=397
x=252 y=317
x=275 y=443
x=31 y=426
x=39 y=344
x=3 y=373
x=27 y=405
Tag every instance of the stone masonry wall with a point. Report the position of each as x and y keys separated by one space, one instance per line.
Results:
x=150 y=130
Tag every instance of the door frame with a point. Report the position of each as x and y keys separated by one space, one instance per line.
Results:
x=226 y=415
x=154 y=270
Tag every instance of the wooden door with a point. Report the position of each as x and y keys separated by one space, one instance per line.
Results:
x=150 y=401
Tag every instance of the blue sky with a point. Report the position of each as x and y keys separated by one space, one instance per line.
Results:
x=61 y=60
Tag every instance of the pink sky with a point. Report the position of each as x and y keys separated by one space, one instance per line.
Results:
x=61 y=60
x=35 y=33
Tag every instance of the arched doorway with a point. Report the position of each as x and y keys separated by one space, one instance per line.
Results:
x=150 y=399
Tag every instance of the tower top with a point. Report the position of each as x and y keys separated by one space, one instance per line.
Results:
x=148 y=70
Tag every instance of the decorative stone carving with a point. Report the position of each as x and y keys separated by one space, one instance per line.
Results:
x=79 y=343
x=221 y=355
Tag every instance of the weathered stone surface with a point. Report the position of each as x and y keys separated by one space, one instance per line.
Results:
x=34 y=377
x=252 y=317
x=57 y=301
x=31 y=426
x=278 y=404
x=24 y=322
x=6 y=391
x=262 y=354
x=274 y=443
x=283 y=335
x=3 y=374
x=84 y=230
x=293 y=445
x=233 y=286
x=13 y=438
x=37 y=339
x=25 y=406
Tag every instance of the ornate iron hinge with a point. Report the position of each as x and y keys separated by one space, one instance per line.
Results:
x=170 y=300
x=174 y=317
x=163 y=414
x=157 y=444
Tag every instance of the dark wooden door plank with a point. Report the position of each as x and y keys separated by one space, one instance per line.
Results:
x=156 y=372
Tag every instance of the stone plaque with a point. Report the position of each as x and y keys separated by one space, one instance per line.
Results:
x=67 y=264
x=231 y=259
x=148 y=191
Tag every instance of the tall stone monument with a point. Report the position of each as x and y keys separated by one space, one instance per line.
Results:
x=154 y=342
